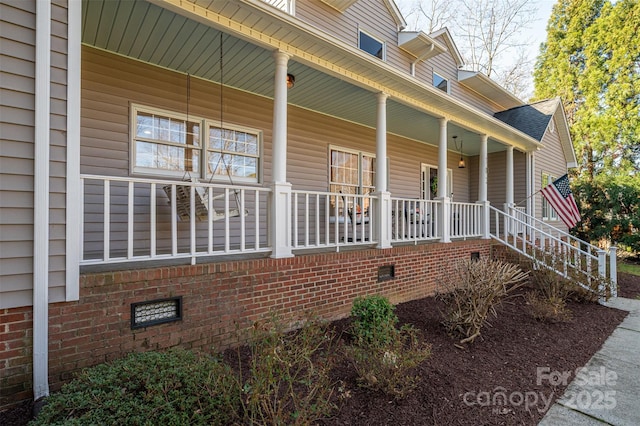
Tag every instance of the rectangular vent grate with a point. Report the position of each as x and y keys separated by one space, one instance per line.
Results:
x=386 y=272
x=144 y=314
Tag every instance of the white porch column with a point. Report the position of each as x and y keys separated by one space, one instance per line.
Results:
x=280 y=231
x=529 y=177
x=383 y=207
x=508 y=204
x=482 y=186
x=613 y=270
x=444 y=207
x=509 y=178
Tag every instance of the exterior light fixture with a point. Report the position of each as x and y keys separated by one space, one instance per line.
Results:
x=291 y=80
x=461 y=163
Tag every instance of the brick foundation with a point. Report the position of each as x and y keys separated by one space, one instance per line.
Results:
x=217 y=297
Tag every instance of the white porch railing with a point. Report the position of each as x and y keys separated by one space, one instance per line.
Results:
x=134 y=219
x=414 y=220
x=131 y=219
x=542 y=242
x=466 y=220
x=329 y=219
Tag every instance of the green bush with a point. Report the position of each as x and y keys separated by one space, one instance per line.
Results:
x=176 y=387
x=387 y=366
x=382 y=355
x=374 y=319
x=288 y=380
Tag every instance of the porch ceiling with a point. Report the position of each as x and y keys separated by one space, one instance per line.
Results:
x=150 y=33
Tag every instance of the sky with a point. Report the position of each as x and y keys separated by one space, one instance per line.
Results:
x=534 y=35
x=538 y=31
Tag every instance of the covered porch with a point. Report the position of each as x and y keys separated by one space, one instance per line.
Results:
x=132 y=217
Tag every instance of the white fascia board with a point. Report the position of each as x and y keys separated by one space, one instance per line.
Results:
x=419 y=44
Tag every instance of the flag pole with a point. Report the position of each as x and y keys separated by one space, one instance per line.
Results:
x=535 y=193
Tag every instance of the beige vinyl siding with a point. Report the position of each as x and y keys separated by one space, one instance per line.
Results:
x=371 y=16
x=549 y=159
x=58 y=152
x=17 y=53
x=497 y=175
x=496 y=178
x=17 y=70
x=444 y=65
x=519 y=178
x=111 y=83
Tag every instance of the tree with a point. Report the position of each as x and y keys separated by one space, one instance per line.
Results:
x=489 y=32
x=592 y=60
x=429 y=16
x=610 y=212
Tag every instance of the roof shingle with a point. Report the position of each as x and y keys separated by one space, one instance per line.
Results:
x=531 y=119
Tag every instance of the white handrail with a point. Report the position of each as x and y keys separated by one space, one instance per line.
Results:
x=523 y=236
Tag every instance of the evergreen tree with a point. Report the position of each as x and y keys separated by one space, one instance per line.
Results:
x=592 y=60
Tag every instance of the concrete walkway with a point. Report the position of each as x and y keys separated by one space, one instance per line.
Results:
x=607 y=392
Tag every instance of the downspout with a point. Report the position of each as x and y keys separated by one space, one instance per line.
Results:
x=412 y=70
x=74 y=210
x=41 y=201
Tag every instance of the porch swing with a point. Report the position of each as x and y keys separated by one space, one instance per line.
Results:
x=201 y=201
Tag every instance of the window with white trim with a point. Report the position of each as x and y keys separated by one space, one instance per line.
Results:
x=371 y=45
x=169 y=144
x=548 y=212
x=165 y=144
x=440 y=82
x=233 y=153
x=352 y=173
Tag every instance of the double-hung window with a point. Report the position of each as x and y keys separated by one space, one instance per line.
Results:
x=233 y=153
x=548 y=212
x=168 y=144
x=351 y=173
x=165 y=144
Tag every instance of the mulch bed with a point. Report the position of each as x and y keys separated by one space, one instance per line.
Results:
x=492 y=381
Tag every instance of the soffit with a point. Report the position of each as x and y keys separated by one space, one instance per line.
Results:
x=486 y=87
x=331 y=78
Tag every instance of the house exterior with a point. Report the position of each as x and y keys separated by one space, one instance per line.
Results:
x=171 y=168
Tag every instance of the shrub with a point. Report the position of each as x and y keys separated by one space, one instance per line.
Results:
x=171 y=388
x=472 y=291
x=552 y=290
x=288 y=379
x=548 y=300
x=549 y=309
x=382 y=355
x=386 y=366
x=374 y=319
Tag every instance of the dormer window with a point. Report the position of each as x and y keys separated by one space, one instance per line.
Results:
x=371 y=45
x=440 y=82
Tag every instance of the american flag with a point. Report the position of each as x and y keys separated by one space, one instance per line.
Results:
x=559 y=195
